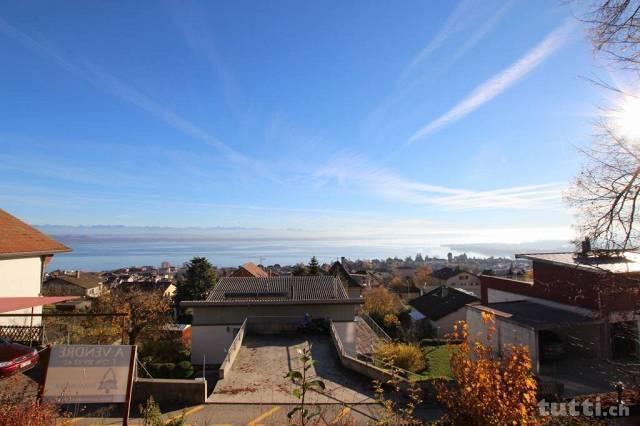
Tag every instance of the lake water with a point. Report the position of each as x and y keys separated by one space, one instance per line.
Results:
x=98 y=255
x=106 y=248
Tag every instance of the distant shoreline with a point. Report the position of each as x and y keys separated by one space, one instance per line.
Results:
x=108 y=252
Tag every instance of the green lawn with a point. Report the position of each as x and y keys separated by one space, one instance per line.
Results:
x=438 y=361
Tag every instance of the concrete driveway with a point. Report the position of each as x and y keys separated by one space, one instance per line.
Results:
x=257 y=375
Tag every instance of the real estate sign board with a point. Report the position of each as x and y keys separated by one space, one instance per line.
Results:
x=89 y=374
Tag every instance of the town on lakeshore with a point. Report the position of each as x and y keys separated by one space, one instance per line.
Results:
x=320 y=213
x=202 y=333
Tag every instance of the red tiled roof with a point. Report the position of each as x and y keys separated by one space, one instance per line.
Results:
x=16 y=237
x=10 y=304
x=255 y=270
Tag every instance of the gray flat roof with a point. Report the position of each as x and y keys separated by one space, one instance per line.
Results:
x=535 y=315
x=617 y=263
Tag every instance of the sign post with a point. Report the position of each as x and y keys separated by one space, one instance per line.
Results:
x=132 y=369
x=90 y=374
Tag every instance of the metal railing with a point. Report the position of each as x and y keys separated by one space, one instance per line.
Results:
x=372 y=367
x=375 y=327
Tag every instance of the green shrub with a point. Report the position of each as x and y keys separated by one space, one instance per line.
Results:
x=184 y=370
x=164 y=350
x=151 y=414
x=402 y=355
x=165 y=370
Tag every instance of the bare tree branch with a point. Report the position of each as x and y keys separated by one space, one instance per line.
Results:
x=615 y=30
x=606 y=191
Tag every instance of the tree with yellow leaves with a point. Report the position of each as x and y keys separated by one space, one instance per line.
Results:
x=422 y=278
x=379 y=302
x=489 y=389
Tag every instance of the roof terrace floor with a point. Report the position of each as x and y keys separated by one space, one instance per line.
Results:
x=257 y=374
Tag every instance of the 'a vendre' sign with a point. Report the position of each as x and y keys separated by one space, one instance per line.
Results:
x=89 y=374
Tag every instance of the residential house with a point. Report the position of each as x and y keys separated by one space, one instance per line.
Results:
x=250 y=269
x=24 y=254
x=440 y=309
x=589 y=300
x=167 y=287
x=353 y=286
x=273 y=302
x=456 y=278
x=79 y=284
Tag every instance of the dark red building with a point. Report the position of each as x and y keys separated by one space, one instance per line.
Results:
x=601 y=288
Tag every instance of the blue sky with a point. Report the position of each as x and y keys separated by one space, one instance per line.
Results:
x=406 y=117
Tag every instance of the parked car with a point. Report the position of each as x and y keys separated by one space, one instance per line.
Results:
x=15 y=358
x=552 y=347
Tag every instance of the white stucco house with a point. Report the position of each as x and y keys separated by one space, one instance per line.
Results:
x=24 y=255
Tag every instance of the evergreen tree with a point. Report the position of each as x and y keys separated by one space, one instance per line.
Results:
x=313 y=267
x=198 y=280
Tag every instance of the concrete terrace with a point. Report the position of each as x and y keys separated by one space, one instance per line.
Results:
x=257 y=374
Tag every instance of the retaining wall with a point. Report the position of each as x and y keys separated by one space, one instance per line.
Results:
x=232 y=352
x=170 y=392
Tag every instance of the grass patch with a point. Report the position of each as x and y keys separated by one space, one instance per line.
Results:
x=438 y=362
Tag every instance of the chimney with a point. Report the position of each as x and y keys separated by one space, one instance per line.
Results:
x=445 y=291
x=586 y=246
x=77 y=274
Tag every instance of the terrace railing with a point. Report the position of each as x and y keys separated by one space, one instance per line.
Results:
x=375 y=327
x=366 y=368
x=22 y=333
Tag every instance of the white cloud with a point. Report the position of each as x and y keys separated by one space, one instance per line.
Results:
x=454 y=23
x=390 y=186
x=470 y=24
x=487 y=25
x=500 y=82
